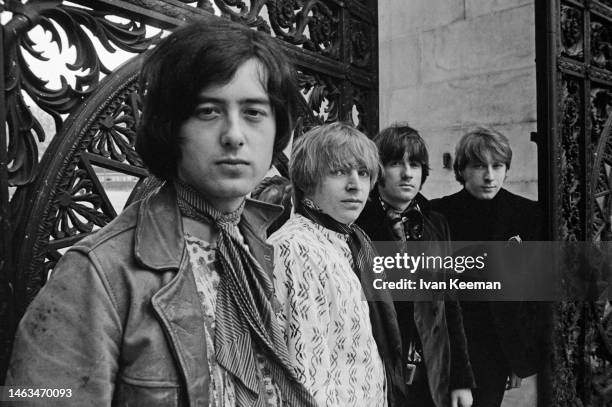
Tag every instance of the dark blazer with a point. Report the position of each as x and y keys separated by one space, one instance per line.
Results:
x=446 y=361
x=517 y=328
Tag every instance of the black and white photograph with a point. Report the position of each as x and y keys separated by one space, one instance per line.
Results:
x=287 y=203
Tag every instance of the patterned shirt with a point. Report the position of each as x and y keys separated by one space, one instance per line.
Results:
x=325 y=317
x=202 y=257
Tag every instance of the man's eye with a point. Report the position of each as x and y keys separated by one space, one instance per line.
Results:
x=255 y=114
x=207 y=112
x=394 y=163
x=414 y=164
x=498 y=166
x=338 y=172
x=363 y=173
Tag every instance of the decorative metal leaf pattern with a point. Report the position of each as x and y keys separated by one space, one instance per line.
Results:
x=239 y=11
x=361 y=52
x=601 y=105
x=606 y=2
x=312 y=24
x=601 y=223
x=114 y=135
x=571 y=163
x=322 y=97
x=582 y=172
x=601 y=44
x=74 y=22
x=572 y=44
x=78 y=207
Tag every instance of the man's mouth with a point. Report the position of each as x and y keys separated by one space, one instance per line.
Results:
x=232 y=161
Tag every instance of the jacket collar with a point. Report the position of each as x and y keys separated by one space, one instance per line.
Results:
x=372 y=218
x=159 y=239
x=419 y=199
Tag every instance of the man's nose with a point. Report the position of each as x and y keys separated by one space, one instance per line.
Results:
x=232 y=135
x=488 y=174
x=352 y=182
x=407 y=171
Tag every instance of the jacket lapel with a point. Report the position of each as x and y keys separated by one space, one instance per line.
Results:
x=158 y=237
x=177 y=305
x=256 y=219
x=372 y=221
x=159 y=245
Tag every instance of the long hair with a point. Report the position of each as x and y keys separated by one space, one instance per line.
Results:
x=194 y=57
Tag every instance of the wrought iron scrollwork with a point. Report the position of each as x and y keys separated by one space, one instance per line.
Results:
x=88 y=68
x=202 y=4
x=239 y=11
x=571 y=163
x=361 y=52
x=311 y=24
x=601 y=45
x=78 y=207
x=322 y=97
x=601 y=105
x=115 y=134
x=323 y=27
x=601 y=179
x=73 y=202
x=606 y=2
x=572 y=44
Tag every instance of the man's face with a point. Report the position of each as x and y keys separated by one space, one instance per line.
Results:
x=227 y=143
x=483 y=180
x=343 y=193
x=402 y=182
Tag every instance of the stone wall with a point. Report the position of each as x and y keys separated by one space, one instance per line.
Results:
x=447 y=66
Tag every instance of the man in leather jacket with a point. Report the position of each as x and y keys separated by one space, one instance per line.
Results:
x=172 y=302
x=397 y=211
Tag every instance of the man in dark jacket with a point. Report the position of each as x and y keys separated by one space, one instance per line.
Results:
x=172 y=303
x=504 y=339
x=438 y=371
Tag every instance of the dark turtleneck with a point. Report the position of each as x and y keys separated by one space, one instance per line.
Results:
x=502 y=337
x=497 y=219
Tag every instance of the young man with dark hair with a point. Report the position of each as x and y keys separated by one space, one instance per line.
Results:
x=172 y=303
x=504 y=339
x=435 y=358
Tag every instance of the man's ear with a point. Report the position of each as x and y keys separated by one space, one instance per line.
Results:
x=381 y=177
x=459 y=177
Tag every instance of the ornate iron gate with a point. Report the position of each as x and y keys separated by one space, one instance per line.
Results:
x=574 y=75
x=49 y=204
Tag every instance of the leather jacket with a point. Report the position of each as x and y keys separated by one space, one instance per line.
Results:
x=119 y=321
